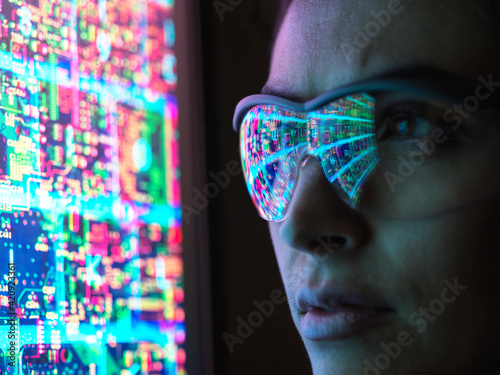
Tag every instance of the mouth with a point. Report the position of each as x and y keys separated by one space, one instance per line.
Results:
x=332 y=313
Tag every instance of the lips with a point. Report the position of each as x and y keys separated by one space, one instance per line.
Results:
x=332 y=312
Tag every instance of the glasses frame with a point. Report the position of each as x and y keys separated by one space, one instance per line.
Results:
x=441 y=90
x=453 y=91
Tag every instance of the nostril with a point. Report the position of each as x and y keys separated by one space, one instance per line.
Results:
x=327 y=244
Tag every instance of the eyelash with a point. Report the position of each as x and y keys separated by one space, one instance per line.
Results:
x=387 y=132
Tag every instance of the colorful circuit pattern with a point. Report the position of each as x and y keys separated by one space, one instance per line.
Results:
x=89 y=187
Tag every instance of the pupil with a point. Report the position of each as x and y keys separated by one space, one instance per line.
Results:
x=402 y=127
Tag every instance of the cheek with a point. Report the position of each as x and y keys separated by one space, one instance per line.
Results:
x=292 y=264
x=283 y=254
x=462 y=244
x=472 y=242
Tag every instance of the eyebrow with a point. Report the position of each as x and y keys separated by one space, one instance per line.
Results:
x=415 y=71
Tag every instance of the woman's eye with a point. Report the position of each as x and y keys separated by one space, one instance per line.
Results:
x=404 y=126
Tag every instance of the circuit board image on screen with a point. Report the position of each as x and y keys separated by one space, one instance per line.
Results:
x=91 y=267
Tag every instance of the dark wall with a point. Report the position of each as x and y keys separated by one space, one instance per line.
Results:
x=235 y=64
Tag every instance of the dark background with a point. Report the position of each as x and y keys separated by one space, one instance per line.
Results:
x=243 y=268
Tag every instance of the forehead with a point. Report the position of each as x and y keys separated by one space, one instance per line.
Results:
x=323 y=44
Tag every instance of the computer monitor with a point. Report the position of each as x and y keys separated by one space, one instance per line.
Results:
x=91 y=255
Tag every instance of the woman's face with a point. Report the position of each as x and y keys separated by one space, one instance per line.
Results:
x=382 y=296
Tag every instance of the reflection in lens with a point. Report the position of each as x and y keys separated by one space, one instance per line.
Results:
x=434 y=169
x=341 y=135
x=347 y=148
x=271 y=140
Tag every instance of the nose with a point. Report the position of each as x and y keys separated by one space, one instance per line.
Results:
x=317 y=215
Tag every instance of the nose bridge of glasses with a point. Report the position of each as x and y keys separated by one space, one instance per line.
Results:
x=341 y=137
x=341 y=126
x=310 y=176
x=312 y=132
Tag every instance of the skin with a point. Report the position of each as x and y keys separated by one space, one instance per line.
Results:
x=400 y=262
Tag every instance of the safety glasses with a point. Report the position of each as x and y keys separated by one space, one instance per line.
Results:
x=389 y=147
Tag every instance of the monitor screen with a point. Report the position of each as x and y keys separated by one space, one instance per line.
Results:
x=91 y=267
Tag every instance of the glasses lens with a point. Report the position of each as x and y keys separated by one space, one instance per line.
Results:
x=343 y=136
x=271 y=141
x=405 y=157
